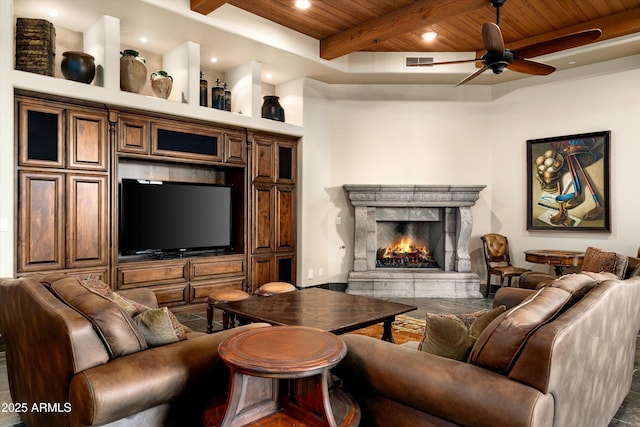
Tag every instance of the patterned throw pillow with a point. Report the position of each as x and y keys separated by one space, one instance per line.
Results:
x=131 y=307
x=453 y=335
x=156 y=326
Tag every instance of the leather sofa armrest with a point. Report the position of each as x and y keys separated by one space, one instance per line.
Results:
x=142 y=295
x=510 y=297
x=448 y=389
x=190 y=369
x=535 y=279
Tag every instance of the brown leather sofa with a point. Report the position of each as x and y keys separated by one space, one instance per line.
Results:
x=559 y=356
x=57 y=361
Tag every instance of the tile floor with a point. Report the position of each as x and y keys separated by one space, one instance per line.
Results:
x=628 y=414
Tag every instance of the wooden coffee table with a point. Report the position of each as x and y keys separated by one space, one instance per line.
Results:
x=331 y=311
x=280 y=377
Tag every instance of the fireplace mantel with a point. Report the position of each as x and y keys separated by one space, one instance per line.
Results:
x=413 y=195
x=449 y=205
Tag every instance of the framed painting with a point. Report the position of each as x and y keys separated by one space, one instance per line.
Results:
x=568 y=183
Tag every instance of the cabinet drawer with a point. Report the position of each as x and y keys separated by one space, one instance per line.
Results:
x=134 y=277
x=201 y=290
x=223 y=266
x=172 y=294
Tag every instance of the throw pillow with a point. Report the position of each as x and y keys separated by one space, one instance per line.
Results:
x=597 y=261
x=131 y=307
x=453 y=335
x=115 y=327
x=156 y=326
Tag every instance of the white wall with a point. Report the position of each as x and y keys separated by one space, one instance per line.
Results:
x=399 y=139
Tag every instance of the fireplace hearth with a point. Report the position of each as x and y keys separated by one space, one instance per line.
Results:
x=413 y=241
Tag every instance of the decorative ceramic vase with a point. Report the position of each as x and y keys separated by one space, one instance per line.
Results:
x=217 y=96
x=227 y=98
x=204 y=90
x=161 y=84
x=271 y=109
x=133 y=71
x=78 y=66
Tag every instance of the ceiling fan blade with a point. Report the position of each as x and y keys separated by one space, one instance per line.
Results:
x=492 y=37
x=472 y=76
x=528 y=66
x=461 y=61
x=560 y=43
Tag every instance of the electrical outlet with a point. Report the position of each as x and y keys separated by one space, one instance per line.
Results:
x=338 y=220
x=320 y=272
x=4 y=224
x=310 y=274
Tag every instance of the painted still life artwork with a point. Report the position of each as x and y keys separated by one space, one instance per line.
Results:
x=568 y=183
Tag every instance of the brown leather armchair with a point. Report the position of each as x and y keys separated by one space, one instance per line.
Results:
x=56 y=357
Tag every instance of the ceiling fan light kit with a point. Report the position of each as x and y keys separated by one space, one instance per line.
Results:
x=498 y=57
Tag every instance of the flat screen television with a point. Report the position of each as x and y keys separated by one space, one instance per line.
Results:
x=174 y=217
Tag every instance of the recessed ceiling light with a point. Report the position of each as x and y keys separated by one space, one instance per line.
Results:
x=303 y=4
x=572 y=62
x=53 y=13
x=429 y=35
x=143 y=39
x=268 y=76
x=213 y=59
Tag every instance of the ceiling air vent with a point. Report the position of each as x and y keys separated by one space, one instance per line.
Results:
x=412 y=61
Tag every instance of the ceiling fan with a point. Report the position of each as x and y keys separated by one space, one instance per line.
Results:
x=497 y=57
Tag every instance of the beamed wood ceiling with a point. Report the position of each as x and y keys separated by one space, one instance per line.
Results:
x=344 y=26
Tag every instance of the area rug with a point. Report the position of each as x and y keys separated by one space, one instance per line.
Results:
x=404 y=329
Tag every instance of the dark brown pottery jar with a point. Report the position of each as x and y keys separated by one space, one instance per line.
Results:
x=78 y=66
x=271 y=109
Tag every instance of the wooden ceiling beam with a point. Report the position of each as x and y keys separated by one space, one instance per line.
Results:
x=612 y=26
x=205 y=7
x=401 y=21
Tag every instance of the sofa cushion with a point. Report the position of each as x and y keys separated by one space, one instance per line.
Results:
x=452 y=336
x=500 y=343
x=579 y=284
x=114 y=326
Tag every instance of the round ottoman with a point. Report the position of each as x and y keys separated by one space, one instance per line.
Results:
x=273 y=288
x=223 y=295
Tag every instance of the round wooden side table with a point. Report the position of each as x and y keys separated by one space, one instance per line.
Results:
x=280 y=376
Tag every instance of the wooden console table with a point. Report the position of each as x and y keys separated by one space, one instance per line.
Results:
x=280 y=377
x=559 y=259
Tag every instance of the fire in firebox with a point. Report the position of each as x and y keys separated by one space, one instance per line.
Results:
x=405 y=254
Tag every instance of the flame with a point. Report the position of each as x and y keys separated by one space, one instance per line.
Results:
x=406 y=245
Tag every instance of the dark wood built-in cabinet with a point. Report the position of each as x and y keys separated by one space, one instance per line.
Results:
x=72 y=157
x=273 y=224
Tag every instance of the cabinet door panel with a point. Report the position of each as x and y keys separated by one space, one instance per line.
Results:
x=171 y=295
x=41 y=221
x=285 y=213
x=40 y=134
x=262 y=160
x=217 y=267
x=87 y=221
x=136 y=276
x=286 y=268
x=234 y=148
x=201 y=290
x=263 y=270
x=133 y=135
x=262 y=238
x=88 y=140
x=286 y=162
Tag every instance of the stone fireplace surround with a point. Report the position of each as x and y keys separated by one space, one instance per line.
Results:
x=449 y=206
